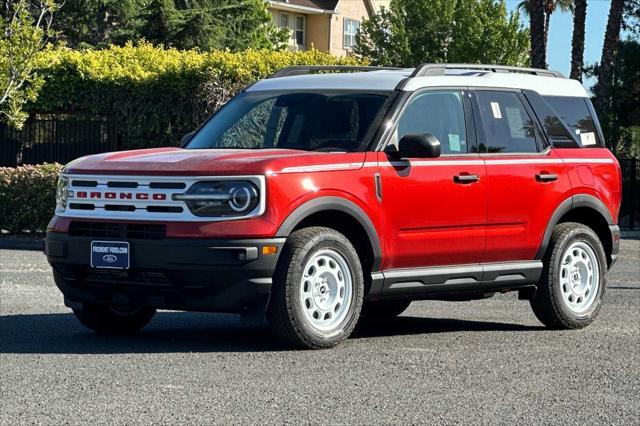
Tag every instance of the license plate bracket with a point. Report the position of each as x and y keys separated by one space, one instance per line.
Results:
x=110 y=254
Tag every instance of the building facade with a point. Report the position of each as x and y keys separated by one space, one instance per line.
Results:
x=327 y=25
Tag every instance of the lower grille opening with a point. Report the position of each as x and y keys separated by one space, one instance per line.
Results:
x=118 y=230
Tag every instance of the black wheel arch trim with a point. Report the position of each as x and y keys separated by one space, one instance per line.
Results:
x=575 y=201
x=343 y=205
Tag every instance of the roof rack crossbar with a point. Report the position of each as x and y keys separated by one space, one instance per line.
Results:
x=440 y=69
x=308 y=69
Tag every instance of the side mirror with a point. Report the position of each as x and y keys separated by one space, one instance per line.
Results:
x=186 y=138
x=419 y=146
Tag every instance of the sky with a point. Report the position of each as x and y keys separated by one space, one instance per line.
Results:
x=561 y=32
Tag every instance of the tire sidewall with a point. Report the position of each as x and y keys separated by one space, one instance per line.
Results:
x=584 y=235
x=296 y=270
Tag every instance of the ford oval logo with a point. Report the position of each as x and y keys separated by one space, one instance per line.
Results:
x=109 y=258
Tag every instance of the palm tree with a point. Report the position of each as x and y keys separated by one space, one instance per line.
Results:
x=548 y=7
x=535 y=10
x=609 y=49
x=577 y=42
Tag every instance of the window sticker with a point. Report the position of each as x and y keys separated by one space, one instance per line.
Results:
x=588 y=138
x=514 y=118
x=454 y=142
x=495 y=107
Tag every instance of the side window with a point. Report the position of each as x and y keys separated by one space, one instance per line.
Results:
x=440 y=113
x=575 y=114
x=506 y=125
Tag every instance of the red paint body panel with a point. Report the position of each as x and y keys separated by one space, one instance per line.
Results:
x=428 y=218
x=424 y=217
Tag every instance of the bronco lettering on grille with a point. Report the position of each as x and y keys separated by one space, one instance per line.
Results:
x=120 y=196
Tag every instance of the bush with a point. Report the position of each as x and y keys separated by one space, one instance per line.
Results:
x=27 y=197
x=155 y=94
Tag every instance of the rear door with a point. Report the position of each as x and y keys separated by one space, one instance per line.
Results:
x=526 y=181
x=432 y=216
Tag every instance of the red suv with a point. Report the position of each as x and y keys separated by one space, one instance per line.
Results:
x=318 y=197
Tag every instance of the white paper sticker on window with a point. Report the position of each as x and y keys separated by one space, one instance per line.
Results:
x=454 y=142
x=516 y=123
x=495 y=107
x=588 y=138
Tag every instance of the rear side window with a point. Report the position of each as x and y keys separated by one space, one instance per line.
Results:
x=506 y=124
x=575 y=114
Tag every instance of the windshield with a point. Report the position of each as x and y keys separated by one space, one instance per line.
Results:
x=305 y=121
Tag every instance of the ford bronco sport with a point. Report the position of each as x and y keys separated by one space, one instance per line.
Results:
x=325 y=194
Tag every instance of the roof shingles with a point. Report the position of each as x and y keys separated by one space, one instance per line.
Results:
x=316 y=4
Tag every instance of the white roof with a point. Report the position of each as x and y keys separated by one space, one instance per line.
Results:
x=388 y=80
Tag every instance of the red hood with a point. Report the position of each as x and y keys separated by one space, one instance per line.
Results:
x=194 y=162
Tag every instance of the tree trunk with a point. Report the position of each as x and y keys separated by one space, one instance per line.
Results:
x=577 y=42
x=536 y=24
x=605 y=70
x=547 y=23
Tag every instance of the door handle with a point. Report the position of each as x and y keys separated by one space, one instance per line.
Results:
x=546 y=177
x=466 y=178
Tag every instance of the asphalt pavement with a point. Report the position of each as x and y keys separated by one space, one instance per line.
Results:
x=486 y=361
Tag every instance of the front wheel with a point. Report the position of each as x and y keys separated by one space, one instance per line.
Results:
x=107 y=319
x=572 y=286
x=318 y=289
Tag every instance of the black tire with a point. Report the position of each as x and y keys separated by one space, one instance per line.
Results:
x=106 y=319
x=548 y=303
x=286 y=312
x=384 y=308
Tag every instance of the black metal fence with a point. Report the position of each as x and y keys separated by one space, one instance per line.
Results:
x=56 y=138
x=630 y=209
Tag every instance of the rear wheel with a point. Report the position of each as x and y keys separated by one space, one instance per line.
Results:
x=109 y=319
x=384 y=308
x=317 y=290
x=572 y=286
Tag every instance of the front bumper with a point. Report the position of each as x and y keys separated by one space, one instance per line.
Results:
x=184 y=274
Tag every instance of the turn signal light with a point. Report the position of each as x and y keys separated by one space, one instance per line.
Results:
x=269 y=249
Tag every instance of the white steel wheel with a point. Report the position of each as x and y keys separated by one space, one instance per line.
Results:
x=326 y=289
x=579 y=276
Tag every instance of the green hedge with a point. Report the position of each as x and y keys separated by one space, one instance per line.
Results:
x=27 y=197
x=155 y=94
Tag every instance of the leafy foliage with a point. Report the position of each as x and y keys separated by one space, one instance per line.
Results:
x=27 y=197
x=156 y=95
x=415 y=31
x=22 y=41
x=183 y=24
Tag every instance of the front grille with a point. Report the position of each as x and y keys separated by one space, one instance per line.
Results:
x=118 y=230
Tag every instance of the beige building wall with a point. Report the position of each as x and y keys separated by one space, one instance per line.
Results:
x=317 y=33
x=347 y=9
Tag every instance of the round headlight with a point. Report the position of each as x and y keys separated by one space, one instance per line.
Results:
x=224 y=198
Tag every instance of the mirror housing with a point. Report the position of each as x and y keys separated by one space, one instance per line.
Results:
x=186 y=138
x=419 y=146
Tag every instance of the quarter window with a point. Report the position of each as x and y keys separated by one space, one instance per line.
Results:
x=351 y=29
x=506 y=125
x=440 y=113
x=574 y=112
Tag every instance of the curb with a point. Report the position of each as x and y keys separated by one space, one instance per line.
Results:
x=22 y=244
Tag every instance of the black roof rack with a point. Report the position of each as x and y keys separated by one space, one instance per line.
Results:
x=440 y=69
x=308 y=69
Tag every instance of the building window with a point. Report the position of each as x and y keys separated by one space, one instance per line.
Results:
x=299 y=30
x=351 y=28
x=284 y=20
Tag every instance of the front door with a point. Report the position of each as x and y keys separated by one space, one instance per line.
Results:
x=434 y=209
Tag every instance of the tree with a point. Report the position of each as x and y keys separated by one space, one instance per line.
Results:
x=539 y=12
x=416 y=31
x=548 y=8
x=625 y=99
x=22 y=40
x=185 y=24
x=577 y=41
x=605 y=68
